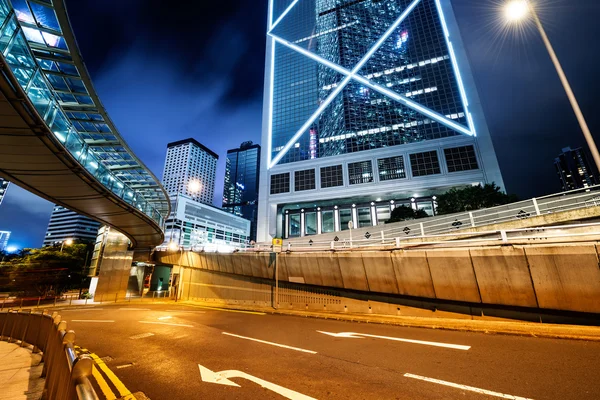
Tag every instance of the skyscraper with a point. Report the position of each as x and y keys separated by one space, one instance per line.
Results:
x=3 y=188
x=368 y=104
x=574 y=169
x=190 y=169
x=4 y=236
x=66 y=224
x=240 y=192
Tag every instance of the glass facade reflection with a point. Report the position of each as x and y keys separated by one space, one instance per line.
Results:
x=240 y=192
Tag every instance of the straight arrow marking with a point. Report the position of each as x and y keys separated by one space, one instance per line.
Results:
x=353 y=335
x=222 y=378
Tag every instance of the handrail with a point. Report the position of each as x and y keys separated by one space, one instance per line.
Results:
x=67 y=374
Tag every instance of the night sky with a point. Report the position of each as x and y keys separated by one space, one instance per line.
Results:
x=168 y=70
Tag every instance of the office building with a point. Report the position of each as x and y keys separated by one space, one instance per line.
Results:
x=368 y=104
x=4 y=236
x=574 y=169
x=66 y=224
x=240 y=192
x=190 y=169
x=3 y=188
x=202 y=227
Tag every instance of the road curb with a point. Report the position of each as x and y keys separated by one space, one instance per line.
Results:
x=513 y=328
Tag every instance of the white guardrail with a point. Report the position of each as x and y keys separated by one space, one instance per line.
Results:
x=447 y=227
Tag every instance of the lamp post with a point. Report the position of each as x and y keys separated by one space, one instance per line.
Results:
x=517 y=10
x=194 y=186
x=68 y=242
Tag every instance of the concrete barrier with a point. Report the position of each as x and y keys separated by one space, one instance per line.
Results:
x=566 y=277
x=291 y=268
x=226 y=263
x=453 y=276
x=503 y=276
x=353 y=271
x=412 y=273
x=330 y=269
x=380 y=272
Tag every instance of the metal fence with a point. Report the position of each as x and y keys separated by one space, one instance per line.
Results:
x=67 y=374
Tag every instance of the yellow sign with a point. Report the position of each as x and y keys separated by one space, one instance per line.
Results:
x=277 y=242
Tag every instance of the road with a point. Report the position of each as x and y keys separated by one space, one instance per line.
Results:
x=160 y=350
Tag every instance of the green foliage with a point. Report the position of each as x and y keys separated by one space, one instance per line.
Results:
x=403 y=213
x=472 y=198
x=44 y=272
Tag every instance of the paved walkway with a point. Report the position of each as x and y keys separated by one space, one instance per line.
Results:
x=20 y=372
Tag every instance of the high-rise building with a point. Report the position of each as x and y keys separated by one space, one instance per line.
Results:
x=574 y=169
x=240 y=192
x=190 y=169
x=66 y=224
x=368 y=104
x=3 y=188
x=4 y=236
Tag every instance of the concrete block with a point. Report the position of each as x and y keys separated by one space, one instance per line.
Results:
x=293 y=267
x=238 y=260
x=265 y=263
x=380 y=272
x=225 y=262
x=353 y=271
x=412 y=273
x=330 y=269
x=503 y=276
x=212 y=262
x=566 y=277
x=452 y=275
x=310 y=269
x=247 y=265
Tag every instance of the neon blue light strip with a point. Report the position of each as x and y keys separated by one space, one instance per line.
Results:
x=461 y=86
x=343 y=84
x=287 y=10
x=271 y=3
x=271 y=94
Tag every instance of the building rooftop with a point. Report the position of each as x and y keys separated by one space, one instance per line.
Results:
x=197 y=143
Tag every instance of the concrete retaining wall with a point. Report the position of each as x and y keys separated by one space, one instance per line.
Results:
x=565 y=278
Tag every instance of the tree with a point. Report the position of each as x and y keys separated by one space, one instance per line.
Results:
x=472 y=198
x=404 y=213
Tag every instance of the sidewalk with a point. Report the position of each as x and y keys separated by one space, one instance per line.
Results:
x=20 y=372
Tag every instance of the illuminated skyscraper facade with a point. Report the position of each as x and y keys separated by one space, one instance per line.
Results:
x=574 y=169
x=240 y=192
x=368 y=104
x=3 y=188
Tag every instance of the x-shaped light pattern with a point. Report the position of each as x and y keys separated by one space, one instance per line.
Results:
x=353 y=75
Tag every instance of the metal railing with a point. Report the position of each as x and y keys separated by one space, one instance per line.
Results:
x=551 y=234
x=66 y=373
x=445 y=224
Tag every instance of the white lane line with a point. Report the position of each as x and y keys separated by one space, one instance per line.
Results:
x=163 y=318
x=165 y=323
x=469 y=388
x=125 y=366
x=141 y=336
x=133 y=309
x=354 y=335
x=199 y=312
x=81 y=309
x=271 y=343
x=92 y=320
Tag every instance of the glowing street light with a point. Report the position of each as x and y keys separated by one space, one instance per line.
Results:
x=194 y=186
x=68 y=242
x=518 y=10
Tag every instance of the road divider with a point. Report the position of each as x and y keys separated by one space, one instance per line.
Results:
x=464 y=387
x=223 y=378
x=270 y=343
x=353 y=335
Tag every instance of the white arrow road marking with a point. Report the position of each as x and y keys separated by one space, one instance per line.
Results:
x=353 y=335
x=469 y=388
x=271 y=343
x=162 y=318
x=221 y=378
x=165 y=323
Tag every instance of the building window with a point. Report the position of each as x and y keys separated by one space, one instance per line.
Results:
x=360 y=172
x=304 y=180
x=332 y=176
x=294 y=229
x=364 y=217
x=328 y=221
x=461 y=159
x=310 y=223
x=391 y=168
x=423 y=164
x=345 y=217
x=280 y=183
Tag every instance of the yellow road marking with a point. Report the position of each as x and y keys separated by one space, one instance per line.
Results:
x=103 y=385
x=123 y=391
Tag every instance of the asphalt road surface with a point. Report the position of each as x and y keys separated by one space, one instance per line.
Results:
x=182 y=352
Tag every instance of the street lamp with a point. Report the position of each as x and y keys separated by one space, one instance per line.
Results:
x=193 y=186
x=68 y=242
x=517 y=10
